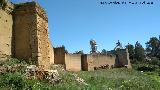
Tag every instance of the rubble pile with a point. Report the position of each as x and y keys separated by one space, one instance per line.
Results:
x=51 y=76
x=12 y=69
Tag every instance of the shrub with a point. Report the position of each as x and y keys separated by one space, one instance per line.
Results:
x=155 y=61
x=14 y=81
x=146 y=67
x=13 y=61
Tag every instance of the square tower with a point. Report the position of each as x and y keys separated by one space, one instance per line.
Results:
x=31 y=40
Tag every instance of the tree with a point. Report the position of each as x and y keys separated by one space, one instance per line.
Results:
x=79 y=52
x=130 y=51
x=139 y=52
x=153 y=47
x=104 y=51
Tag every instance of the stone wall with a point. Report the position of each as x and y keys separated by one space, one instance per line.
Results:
x=43 y=42
x=31 y=34
x=25 y=32
x=24 y=35
x=93 y=61
x=122 y=58
x=51 y=55
x=59 y=55
x=6 y=23
x=73 y=62
x=103 y=60
x=87 y=62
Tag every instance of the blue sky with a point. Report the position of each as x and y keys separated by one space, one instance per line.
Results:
x=74 y=22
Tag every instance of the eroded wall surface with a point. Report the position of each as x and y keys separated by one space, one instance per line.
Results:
x=122 y=58
x=31 y=35
x=87 y=62
x=6 y=23
x=59 y=55
x=91 y=61
x=103 y=60
x=73 y=62
x=51 y=55
x=25 y=32
x=43 y=41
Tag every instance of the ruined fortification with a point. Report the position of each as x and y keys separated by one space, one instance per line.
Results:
x=24 y=35
x=91 y=62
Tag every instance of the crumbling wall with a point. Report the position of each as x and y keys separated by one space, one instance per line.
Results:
x=122 y=58
x=44 y=45
x=6 y=23
x=25 y=32
x=73 y=62
x=59 y=55
x=87 y=62
x=92 y=61
x=31 y=34
x=101 y=61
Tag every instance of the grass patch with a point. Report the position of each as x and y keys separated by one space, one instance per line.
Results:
x=110 y=79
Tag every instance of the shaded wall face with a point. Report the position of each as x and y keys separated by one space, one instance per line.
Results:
x=73 y=62
x=59 y=55
x=6 y=23
x=122 y=59
x=84 y=63
x=25 y=33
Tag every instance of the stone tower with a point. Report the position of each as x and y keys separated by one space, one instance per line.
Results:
x=30 y=29
x=24 y=33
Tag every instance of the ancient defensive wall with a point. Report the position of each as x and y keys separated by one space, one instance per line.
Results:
x=24 y=34
x=91 y=62
x=72 y=62
x=122 y=58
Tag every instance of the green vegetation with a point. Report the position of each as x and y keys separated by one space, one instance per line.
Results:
x=110 y=79
x=145 y=74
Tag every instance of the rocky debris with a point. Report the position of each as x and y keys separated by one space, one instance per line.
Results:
x=58 y=67
x=79 y=80
x=3 y=69
x=12 y=69
x=103 y=67
x=53 y=76
x=34 y=72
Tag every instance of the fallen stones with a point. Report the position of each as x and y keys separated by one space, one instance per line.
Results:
x=102 y=67
x=51 y=76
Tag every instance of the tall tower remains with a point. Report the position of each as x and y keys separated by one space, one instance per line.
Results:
x=30 y=29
